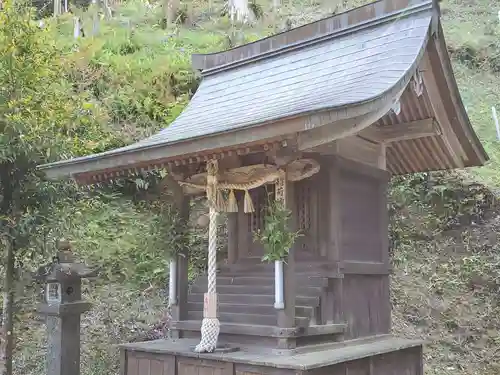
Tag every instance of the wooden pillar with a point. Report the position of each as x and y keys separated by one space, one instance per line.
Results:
x=286 y=317
x=182 y=204
x=179 y=311
x=334 y=312
x=232 y=237
x=384 y=233
x=334 y=208
x=242 y=233
x=324 y=209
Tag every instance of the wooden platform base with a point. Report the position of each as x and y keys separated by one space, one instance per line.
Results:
x=374 y=356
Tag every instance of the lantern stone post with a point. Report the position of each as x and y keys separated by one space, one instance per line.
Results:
x=62 y=305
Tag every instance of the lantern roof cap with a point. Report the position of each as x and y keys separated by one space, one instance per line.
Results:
x=64 y=266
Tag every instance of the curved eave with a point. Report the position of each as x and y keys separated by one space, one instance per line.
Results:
x=477 y=153
x=455 y=145
x=131 y=159
x=323 y=83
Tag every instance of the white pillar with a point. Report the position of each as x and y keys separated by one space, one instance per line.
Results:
x=172 y=283
x=279 y=297
x=279 y=293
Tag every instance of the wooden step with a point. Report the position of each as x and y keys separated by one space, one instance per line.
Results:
x=266 y=274
x=260 y=329
x=267 y=320
x=228 y=328
x=255 y=289
x=251 y=260
x=300 y=311
x=251 y=272
x=264 y=280
x=311 y=267
x=254 y=299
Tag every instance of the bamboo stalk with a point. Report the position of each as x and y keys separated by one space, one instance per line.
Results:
x=495 y=119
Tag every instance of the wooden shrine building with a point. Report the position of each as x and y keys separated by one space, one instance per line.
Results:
x=328 y=112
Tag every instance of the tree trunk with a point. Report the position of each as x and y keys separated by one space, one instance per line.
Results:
x=4 y=309
x=171 y=9
x=8 y=318
x=57 y=7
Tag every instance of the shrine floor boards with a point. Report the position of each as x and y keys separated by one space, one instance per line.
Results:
x=384 y=355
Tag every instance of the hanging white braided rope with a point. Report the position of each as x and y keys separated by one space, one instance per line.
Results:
x=210 y=326
x=248 y=178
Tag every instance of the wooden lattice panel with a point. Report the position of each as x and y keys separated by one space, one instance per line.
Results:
x=260 y=198
x=306 y=204
x=303 y=196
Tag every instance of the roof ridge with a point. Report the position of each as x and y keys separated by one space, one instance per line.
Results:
x=351 y=21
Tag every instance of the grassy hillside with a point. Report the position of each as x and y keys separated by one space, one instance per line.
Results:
x=446 y=272
x=472 y=32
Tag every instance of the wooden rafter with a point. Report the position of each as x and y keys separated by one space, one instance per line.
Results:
x=401 y=132
x=228 y=158
x=438 y=106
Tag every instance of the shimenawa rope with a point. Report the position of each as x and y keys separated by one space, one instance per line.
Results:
x=210 y=326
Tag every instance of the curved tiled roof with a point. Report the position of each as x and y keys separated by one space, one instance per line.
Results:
x=343 y=67
x=354 y=68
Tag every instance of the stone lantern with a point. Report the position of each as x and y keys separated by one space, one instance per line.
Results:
x=62 y=305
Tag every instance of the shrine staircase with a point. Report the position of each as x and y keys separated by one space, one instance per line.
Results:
x=246 y=302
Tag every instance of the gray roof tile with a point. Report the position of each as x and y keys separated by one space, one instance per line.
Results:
x=334 y=73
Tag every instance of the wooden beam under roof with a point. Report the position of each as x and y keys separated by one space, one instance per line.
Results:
x=355 y=148
x=401 y=132
x=360 y=150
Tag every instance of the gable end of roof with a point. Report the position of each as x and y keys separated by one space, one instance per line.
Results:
x=350 y=21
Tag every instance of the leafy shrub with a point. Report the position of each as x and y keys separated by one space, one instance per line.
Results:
x=110 y=232
x=452 y=200
x=276 y=236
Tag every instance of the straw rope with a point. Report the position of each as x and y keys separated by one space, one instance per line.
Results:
x=242 y=186
x=214 y=187
x=210 y=325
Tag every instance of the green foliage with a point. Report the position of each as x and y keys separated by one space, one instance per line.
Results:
x=42 y=119
x=113 y=233
x=452 y=200
x=425 y=206
x=472 y=32
x=138 y=75
x=446 y=270
x=167 y=231
x=256 y=9
x=276 y=237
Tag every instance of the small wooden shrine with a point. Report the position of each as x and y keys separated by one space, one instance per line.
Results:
x=320 y=117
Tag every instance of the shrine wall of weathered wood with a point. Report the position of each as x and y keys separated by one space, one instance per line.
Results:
x=342 y=214
x=405 y=361
x=361 y=203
